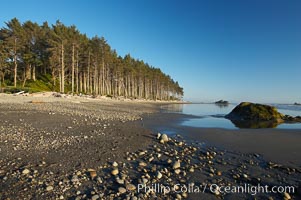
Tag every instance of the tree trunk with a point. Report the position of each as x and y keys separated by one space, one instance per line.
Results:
x=80 y=83
x=0 y=82
x=63 y=70
x=27 y=74
x=88 y=76
x=33 y=75
x=15 y=63
x=76 y=73
x=72 y=75
x=103 y=76
x=53 y=79
x=95 y=79
x=85 y=83
x=60 y=79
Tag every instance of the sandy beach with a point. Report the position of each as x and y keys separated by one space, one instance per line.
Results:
x=81 y=148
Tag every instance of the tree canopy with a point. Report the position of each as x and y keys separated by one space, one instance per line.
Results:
x=30 y=52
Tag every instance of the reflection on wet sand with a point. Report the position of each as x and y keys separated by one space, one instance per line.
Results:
x=255 y=124
x=173 y=108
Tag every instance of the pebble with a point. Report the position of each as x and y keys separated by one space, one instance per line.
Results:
x=99 y=180
x=95 y=197
x=151 y=159
x=159 y=175
x=216 y=191
x=130 y=187
x=164 y=138
x=176 y=165
x=49 y=188
x=142 y=164
x=93 y=173
x=25 y=171
x=115 y=164
x=114 y=172
x=144 y=180
x=119 y=181
x=287 y=196
x=141 y=153
x=121 y=190
x=74 y=179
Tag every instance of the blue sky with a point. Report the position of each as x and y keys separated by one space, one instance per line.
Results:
x=237 y=50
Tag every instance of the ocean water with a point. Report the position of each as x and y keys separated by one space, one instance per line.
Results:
x=212 y=115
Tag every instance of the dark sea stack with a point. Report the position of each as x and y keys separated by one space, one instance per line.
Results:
x=222 y=102
x=247 y=111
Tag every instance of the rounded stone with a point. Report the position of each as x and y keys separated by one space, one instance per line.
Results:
x=159 y=175
x=121 y=190
x=176 y=165
x=164 y=138
x=25 y=171
x=142 y=164
x=49 y=188
x=130 y=187
x=95 y=197
x=115 y=164
x=114 y=172
x=93 y=174
x=287 y=196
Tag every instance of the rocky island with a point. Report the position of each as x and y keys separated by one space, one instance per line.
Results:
x=253 y=115
x=222 y=102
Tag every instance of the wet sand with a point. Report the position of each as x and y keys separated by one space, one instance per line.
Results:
x=278 y=145
x=281 y=146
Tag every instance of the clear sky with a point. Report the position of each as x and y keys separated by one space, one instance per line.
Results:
x=237 y=50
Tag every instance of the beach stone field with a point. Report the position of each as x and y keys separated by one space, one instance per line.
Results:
x=84 y=148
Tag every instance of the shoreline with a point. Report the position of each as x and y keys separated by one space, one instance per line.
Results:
x=273 y=144
x=65 y=149
x=53 y=96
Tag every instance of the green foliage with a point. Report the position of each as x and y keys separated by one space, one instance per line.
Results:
x=12 y=90
x=60 y=58
x=43 y=83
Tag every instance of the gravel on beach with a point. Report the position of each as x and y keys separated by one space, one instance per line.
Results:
x=77 y=148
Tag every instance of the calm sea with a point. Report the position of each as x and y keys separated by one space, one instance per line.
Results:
x=212 y=115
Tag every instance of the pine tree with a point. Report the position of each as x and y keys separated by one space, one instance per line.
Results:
x=79 y=64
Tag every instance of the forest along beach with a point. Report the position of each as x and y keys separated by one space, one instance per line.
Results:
x=80 y=119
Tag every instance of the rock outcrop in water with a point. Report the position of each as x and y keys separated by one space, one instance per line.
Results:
x=247 y=111
x=252 y=115
x=222 y=102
